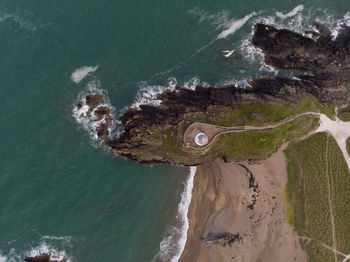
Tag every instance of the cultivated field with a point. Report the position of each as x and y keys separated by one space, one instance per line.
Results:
x=318 y=194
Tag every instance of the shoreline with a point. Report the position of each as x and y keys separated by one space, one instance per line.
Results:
x=220 y=197
x=174 y=241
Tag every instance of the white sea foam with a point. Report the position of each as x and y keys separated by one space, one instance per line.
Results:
x=192 y=83
x=3 y=258
x=147 y=94
x=65 y=238
x=44 y=248
x=21 y=22
x=219 y=19
x=235 y=26
x=227 y=53
x=174 y=242
x=254 y=54
x=56 y=254
x=88 y=122
x=80 y=73
x=3 y=18
x=296 y=10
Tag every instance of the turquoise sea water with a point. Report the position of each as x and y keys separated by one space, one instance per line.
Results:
x=57 y=189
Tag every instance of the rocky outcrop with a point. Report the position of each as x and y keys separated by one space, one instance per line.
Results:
x=222 y=239
x=42 y=258
x=325 y=64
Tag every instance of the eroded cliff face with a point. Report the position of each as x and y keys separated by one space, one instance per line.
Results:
x=154 y=134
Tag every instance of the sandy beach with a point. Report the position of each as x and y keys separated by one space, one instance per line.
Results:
x=226 y=199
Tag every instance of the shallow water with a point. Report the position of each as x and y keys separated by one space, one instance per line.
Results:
x=57 y=189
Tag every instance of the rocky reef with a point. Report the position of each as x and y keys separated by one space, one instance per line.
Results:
x=154 y=134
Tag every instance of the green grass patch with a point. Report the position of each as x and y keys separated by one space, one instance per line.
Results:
x=344 y=114
x=261 y=144
x=348 y=145
x=258 y=113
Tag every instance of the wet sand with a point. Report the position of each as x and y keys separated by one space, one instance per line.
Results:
x=223 y=201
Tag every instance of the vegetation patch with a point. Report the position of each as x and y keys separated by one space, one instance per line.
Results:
x=258 y=113
x=344 y=114
x=261 y=144
x=317 y=173
x=348 y=145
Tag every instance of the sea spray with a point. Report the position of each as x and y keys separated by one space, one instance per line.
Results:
x=173 y=244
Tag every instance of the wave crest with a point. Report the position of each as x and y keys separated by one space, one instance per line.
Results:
x=173 y=244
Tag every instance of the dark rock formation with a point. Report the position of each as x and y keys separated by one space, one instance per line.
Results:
x=97 y=112
x=253 y=186
x=325 y=64
x=221 y=238
x=42 y=258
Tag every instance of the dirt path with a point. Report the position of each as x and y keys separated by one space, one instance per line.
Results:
x=340 y=130
x=330 y=201
x=213 y=131
x=328 y=247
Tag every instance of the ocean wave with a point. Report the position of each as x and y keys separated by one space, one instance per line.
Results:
x=174 y=242
x=235 y=25
x=65 y=239
x=21 y=22
x=88 y=120
x=147 y=94
x=291 y=13
x=242 y=83
x=80 y=73
x=219 y=19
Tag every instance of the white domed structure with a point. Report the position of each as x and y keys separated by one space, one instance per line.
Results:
x=201 y=139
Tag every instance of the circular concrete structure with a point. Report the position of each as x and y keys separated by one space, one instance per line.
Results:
x=201 y=139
